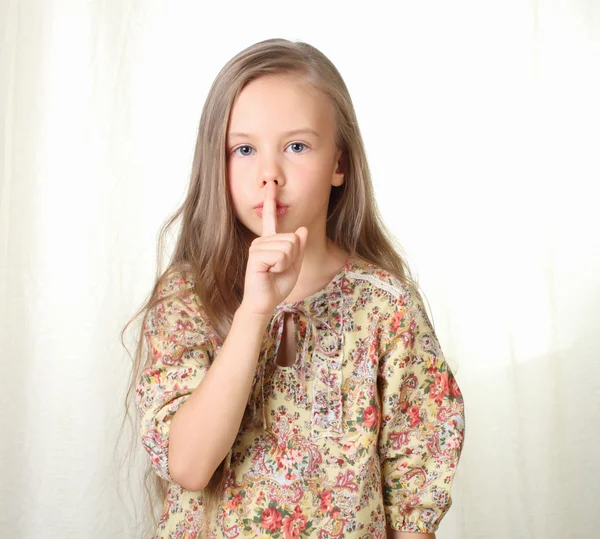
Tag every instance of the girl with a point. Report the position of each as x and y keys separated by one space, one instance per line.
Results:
x=293 y=385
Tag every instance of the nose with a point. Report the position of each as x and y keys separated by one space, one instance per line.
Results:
x=264 y=182
x=270 y=171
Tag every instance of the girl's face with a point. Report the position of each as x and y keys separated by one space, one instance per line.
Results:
x=281 y=130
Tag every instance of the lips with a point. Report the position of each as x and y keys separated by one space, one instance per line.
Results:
x=280 y=211
x=260 y=206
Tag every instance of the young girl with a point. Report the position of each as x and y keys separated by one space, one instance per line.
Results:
x=293 y=385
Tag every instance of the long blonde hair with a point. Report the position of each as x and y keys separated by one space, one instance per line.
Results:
x=212 y=245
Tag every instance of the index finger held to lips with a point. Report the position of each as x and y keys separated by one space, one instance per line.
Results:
x=269 y=215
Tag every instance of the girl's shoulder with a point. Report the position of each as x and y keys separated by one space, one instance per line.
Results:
x=176 y=301
x=175 y=283
x=177 y=313
x=378 y=277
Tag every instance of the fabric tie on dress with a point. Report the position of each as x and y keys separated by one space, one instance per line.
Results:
x=325 y=331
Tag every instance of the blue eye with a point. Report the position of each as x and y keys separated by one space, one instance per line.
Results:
x=248 y=154
x=297 y=144
x=235 y=151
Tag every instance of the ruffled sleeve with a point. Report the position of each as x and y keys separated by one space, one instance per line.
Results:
x=422 y=423
x=179 y=355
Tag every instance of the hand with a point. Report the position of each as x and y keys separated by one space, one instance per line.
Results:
x=274 y=261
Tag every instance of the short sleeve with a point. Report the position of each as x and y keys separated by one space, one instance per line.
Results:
x=179 y=355
x=422 y=422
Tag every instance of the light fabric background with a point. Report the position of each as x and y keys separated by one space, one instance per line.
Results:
x=481 y=122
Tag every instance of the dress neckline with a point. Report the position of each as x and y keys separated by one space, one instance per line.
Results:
x=323 y=291
x=321 y=355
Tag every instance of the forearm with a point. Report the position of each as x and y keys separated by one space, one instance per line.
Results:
x=204 y=428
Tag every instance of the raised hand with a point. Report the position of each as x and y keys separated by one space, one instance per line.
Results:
x=274 y=261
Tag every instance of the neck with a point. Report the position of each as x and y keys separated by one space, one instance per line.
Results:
x=320 y=264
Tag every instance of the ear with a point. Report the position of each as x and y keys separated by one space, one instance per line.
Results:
x=338 y=175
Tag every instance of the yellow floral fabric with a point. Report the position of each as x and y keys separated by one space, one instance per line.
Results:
x=365 y=428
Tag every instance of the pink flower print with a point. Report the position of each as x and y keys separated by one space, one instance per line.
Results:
x=439 y=388
x=434 y=367
x=454 y=389
x=325 y=501
x=294 y=524
x=415 y=417
x=335 y=513
x=234 y=502
x=285 y=461
x=453 y=442
x=154 y=375
x=403 y=401
x=396 y=319
x=271 y=519
x=371 y=416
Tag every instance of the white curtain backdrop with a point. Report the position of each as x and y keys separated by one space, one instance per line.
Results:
x=481 y=121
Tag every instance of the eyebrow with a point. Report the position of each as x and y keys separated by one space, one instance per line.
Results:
x=288 y=133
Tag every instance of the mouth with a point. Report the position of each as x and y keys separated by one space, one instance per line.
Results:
x=277 y=204
x=280 y=210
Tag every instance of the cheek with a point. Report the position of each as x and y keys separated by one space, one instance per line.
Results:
x=319 y=168
x=236 y=192
x=239 y=179
x=317 y=176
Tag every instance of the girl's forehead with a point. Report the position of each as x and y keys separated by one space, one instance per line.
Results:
x=278 y=92
x=281 y=104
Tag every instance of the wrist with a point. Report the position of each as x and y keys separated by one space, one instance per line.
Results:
x=248 y=316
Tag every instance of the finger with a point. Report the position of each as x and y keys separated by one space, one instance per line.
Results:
x=289 y=247
x=302 y=237
x=286 y=236
x=269 y=216
x=274 y=261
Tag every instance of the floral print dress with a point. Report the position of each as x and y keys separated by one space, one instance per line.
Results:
x=365 y=429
